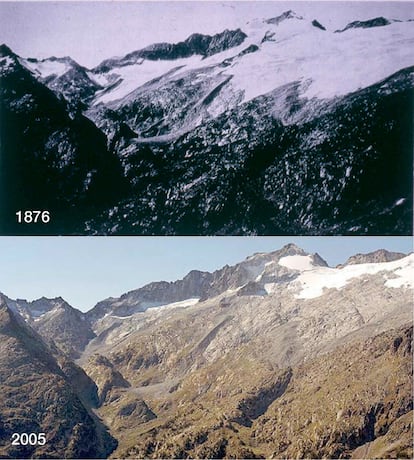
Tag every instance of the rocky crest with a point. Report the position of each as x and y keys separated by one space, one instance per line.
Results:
x=376 y=22
x=198 y=284
x=203 y=45
x=373 y=257
x=65 y=327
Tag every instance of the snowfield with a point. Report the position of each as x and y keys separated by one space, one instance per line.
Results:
x=131 y=77
x=47 y=67
x=311 y=283
x=297 y=262
x=327 y=64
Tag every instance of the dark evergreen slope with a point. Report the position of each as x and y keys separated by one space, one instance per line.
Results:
x=50 y=160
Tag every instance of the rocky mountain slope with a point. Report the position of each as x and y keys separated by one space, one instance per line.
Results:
x=74 y=171
x=248 y=131
x=277 y=356
x=54 y=319
x=199 y=285
x=372 y=257
x=43 y=393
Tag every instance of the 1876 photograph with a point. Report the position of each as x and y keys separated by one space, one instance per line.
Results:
x=206 y=118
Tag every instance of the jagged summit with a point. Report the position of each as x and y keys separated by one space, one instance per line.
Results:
x=375 y=22
x=67 y=60
x=290 y=14
x=378 y=256
x=195 y=44
x=64 y=325
x=5 y=51
x=39 y=307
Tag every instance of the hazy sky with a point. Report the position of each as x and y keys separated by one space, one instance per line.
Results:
x=91 y=31
x=84 y=270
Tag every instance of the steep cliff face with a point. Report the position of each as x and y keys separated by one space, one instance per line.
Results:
x=38 y=397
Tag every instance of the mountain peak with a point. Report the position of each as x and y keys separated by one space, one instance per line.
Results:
x=378 y=256
x=292 y=247
x=5 y=51
x=290 y=14
x=374 y=22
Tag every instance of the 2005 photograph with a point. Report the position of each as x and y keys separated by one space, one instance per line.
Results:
x=210 y=348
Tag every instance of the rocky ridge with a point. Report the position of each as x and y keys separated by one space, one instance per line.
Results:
x=200 y=285
x=63 y=325
x=373 y=257
x=203 y=45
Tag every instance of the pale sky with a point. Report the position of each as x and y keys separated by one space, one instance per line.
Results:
x=90 y=31
x=85 y=270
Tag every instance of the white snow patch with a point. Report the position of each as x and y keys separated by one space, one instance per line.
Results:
x=162 y=309
x=304 y=53
x=297 y=262
x=400 y=202
x=270 y=287
x=133 y=76
x=47 y=68
x=120 y=317
x=313 y=282
x=405 y=278
x=99 y=78
x=6 y=61
x=181 y=304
